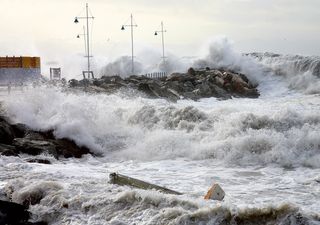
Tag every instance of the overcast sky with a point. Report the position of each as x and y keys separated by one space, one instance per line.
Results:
x=46 y=28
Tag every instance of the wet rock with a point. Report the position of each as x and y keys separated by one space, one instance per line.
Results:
x=194 y=84
x=69 y=148
x=191 y=71
x=13 y=213
x=6 y=133
x=8 y=150
x=35 y=147
x=41 y=161
x=20 y=130
x=18 y=138
x=73 y=83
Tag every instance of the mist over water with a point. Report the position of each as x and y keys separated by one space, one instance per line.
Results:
x=264 y=152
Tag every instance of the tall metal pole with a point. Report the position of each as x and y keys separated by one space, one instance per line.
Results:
x=88 y=47
x=162 y=31
x=131 y=25
x=132 y=56
x=85 y=40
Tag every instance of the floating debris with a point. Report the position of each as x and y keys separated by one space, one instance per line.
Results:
x=119 y=179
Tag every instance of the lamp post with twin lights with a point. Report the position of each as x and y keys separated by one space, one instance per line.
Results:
x=131 y=25
x=76 y=20
x=162 y=31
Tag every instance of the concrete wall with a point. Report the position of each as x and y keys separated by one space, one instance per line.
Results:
x=19 y=75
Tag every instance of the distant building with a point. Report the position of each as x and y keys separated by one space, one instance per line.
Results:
x=55 y=73
x=19 y=69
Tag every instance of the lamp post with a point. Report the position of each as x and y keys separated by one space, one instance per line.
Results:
x=87 y=17
x=131 y=25
x=84 y=37
x=162 y=31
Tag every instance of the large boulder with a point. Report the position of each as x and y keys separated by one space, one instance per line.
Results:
x=18 y=138
x=8 y=150
x=35 y=147
x=15 y=214
x=6 y=133
x=19 y=130
x=69 y=148
x=56 y=147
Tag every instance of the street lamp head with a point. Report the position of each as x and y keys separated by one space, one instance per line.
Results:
x=156 y=33
x=122 y=28
x=76 y=20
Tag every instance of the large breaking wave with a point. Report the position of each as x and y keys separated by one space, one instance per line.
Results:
x=300 y=72
x=238 y=131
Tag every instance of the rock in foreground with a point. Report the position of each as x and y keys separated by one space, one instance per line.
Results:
x=17 y=138
x=15 y=214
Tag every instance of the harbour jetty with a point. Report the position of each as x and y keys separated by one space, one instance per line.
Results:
x=194 y=84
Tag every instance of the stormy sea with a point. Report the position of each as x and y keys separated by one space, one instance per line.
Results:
x=264 y=152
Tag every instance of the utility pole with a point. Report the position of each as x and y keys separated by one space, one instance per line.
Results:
x=88 y=46
x=85 y=40
x=88 y=56
x=162 y=31
x=131 y=25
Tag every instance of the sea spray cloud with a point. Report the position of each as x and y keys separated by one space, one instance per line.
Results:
x=122 y=66
x=220 y=53
x=147 y=62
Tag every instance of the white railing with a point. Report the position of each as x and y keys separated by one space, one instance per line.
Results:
x=156 y=75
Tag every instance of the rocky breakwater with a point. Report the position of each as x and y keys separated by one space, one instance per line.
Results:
x=194 y=84
x=18 y=138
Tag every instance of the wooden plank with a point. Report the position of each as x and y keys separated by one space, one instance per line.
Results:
x=119 y=179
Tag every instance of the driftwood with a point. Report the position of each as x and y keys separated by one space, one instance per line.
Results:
x=119 y=179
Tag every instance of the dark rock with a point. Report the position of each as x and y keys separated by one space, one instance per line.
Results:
x=191 y=71
x=73 y=83
x=13 y=213
x=35 y=147
x=112 y=79
x=181 y=77
x=144 y=87
x=18 y=138
x=68 y=148
x=20 y=130
x=41 y=161
x=6 y=133
x=195 y=84
x=8 y=150
x=175 y=85
x=39 y=135
x=33 y=135
x=203 y=89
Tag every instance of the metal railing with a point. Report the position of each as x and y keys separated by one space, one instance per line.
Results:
x=156 y=75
